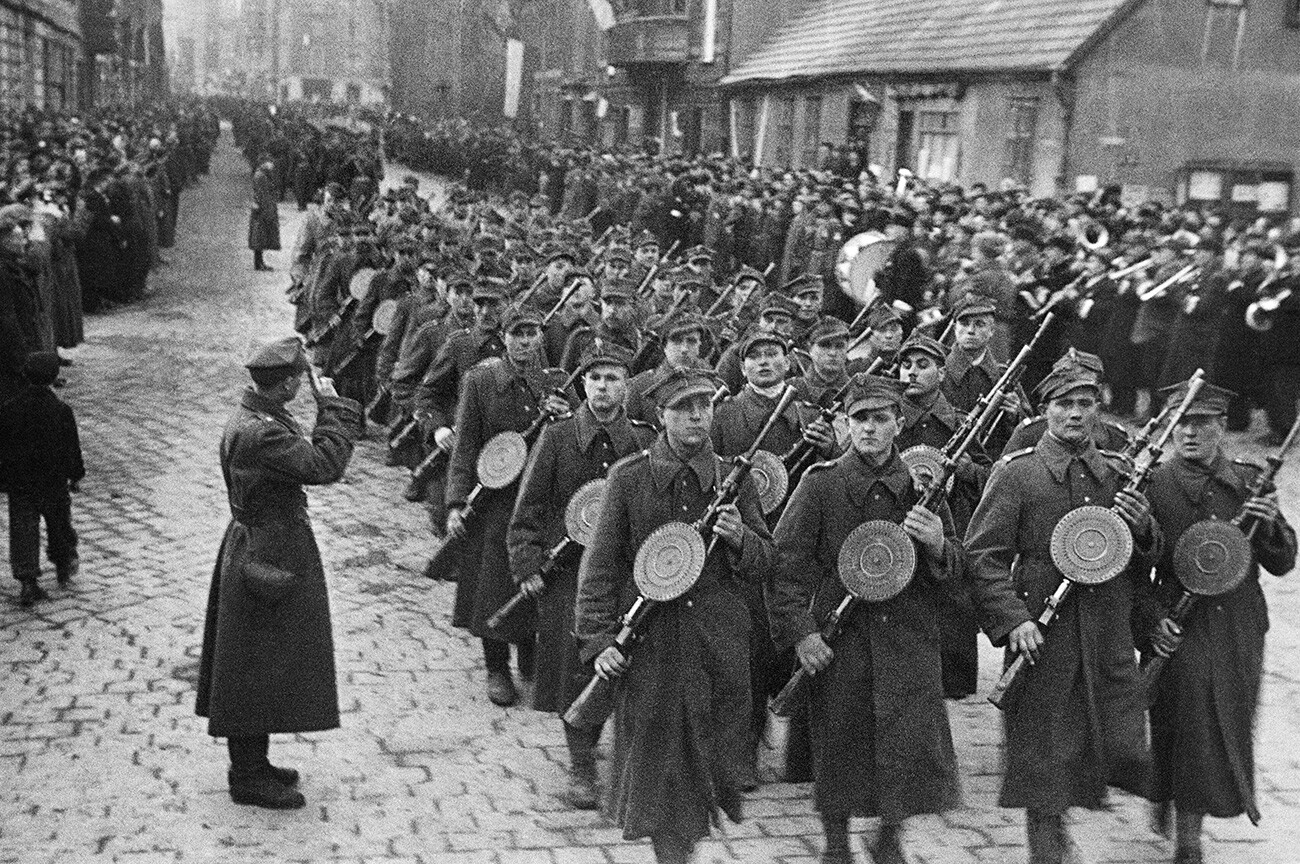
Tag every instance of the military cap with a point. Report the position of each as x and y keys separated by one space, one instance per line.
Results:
x=747 y=272
x=520 y=314
x=491 y=288
x=973 y=304
x=777 y=304
x=619 y=253
x=882 y=315
x=1062 y=381
x=698 y=253
x=283 y=353
x=576 y=273
x=518 y=196
x=645 y=238
x=926 y=345
x=605 y=352
x=15 y=214
x=559 y=250
x=1076 y=359
x=683 y=321
x=1211 y=400
x=869 y=392
x=619 y=288
x=681 y=384
x=41 y=368
x=759 y=336
x=807 y=282
x=827 y=327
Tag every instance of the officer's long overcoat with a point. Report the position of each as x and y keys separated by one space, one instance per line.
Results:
x=269 y=666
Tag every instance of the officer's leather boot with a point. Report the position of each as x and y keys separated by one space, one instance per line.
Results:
x=671 y=849
x=1046 y=834
x=31 y=593
x=888 y=848
x=836 y=829
x=584 y=784
x=261 y=788
x=1187 y=842
x=67 y=570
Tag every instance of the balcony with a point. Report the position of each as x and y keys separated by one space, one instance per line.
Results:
x=642 y=39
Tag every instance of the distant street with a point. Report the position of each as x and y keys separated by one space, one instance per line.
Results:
x=102 y=758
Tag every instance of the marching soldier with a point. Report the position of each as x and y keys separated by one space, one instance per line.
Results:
x=827 y=371
x=775 y=316
x=568 y=454
x=1107 y=434
x=576 y=313
x=930 y=420
x=1076 y=724
x=971 y=369
x=683 y=341
x=683 y=708
x=498 y=395
x=617 y=324
x=886 y=335
x=1203 y=717
x=881 y=741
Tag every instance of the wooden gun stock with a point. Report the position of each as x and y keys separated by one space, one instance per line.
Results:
x=596 y=701
x=1012 y=674
x=546 y=569
x=830 y=632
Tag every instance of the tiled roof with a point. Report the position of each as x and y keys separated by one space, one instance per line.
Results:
x=835 y=37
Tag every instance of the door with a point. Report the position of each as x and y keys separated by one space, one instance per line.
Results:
x=903 y=147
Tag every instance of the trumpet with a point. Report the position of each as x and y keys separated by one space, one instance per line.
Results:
x=1190 y=273
x=1259 y=315
x=1131 y=269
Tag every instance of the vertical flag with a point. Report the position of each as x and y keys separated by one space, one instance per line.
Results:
x=514 y=76
x=710 y=36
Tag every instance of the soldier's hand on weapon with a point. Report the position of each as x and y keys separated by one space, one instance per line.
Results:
x=1011 y=403
x=533 y=586
x=729 y=526
x=321 y=386
x=1166 y=638
x=611 y=663
x=444 y=438
x=455 y=523
x=819 y=432
x=1135 y=510
x=555 y=405
x=925 y=528
x=1263 y=507
x=813 y=653
x=1026 y=640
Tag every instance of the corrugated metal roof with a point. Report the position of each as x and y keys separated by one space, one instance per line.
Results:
x=835 y=37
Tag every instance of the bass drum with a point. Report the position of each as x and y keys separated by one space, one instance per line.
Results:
x=860 y=262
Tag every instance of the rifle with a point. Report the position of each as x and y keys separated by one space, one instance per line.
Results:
x=802 y=453
x=452 y=547
x=596 y=701
x=559 y=304
x=354 y=353
x=378 y=406
x=1011 y=375
x=1265 y=482
x=1137 y=480
x=650 y=274
x=333 y=324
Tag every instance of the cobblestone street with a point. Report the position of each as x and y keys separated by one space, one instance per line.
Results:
x=102 y=758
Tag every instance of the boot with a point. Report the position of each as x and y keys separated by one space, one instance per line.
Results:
x=671 y=849
x=283 y=776
x=836 y=830
x=501 y=689
x=65 y=571
x=261 y=789
x=888 y=848
x=1187 y=842
x=31 y=593
x=1046 y=833
x=1162 y=818
x=584 y=784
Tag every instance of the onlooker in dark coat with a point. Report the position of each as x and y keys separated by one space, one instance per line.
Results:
x=40 y=457
x=264 y=218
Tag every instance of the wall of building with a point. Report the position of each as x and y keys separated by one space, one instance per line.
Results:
x=1181 y=83
x=40 y=47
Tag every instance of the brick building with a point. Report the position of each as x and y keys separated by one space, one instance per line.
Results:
x=1169 y=99
x=40 y=53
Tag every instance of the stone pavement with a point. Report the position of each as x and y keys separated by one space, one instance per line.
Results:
x=102 y=758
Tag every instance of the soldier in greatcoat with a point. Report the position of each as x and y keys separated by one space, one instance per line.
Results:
x=500 y=394
x=569 y=453
x=1203 y=717
x=267 y=664
x=1075 y=723
x=682 y=712
x=881 y=741
x=683 y=336
x=263 y=216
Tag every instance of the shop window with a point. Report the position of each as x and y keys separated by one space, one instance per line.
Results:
x=812 y=131
x=1262 y=191
x=937 y=145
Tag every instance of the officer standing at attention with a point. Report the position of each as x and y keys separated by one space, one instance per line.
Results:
x=267 y=664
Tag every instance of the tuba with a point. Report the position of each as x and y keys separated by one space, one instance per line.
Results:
x=1092 y=236
x=1259 y=315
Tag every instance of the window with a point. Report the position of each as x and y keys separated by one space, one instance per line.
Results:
x=1245 y=190
x=783 y=132
x=862 y=120
x=812 y=131
x=1020 y=141
x=743 y=112
x=937 y=145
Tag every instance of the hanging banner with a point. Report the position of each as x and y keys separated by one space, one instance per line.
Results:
x=710 y=36
x=603 y=12
x=514 y=76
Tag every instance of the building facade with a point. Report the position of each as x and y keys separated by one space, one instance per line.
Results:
x=1167 y=99
x=40 y=53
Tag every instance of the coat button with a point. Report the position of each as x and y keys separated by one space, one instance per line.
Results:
x=1086 y=499
x=690 y=604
